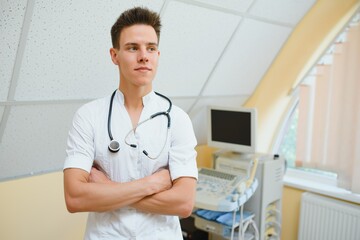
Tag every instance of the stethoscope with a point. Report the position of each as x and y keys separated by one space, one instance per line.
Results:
x=114 y=145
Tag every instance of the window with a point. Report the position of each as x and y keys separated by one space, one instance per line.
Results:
x=287 y=145
x=323 y=126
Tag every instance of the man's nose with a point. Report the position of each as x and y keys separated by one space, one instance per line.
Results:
x=143 y=56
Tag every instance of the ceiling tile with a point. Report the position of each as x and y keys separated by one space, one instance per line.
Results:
x=247 y=58
x=34 y=139
x=11 y=19
x=67 y=51
x=192 y=41
x=237 y=5
x=286 y=11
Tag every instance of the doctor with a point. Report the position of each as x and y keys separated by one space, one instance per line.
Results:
x=148 y=178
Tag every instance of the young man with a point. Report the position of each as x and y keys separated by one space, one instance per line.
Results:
x=145 y=186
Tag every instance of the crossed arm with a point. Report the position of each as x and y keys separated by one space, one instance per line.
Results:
x=155 y=193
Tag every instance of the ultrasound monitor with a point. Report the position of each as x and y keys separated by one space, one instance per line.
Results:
x=232 y=128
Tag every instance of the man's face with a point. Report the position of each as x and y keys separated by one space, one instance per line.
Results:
x=137 y=56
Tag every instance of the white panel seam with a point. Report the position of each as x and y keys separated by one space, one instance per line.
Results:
x=17 y=65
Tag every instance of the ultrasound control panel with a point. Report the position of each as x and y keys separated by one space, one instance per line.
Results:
x=215 y=190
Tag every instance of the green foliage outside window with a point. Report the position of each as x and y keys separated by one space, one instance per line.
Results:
x=288 y=142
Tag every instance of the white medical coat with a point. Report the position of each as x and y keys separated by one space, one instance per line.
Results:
x=88 y=141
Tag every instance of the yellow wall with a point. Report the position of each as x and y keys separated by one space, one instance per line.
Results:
x=33 y=208
x=290 y=213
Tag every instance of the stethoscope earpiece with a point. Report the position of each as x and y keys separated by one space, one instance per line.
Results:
x=114 y=146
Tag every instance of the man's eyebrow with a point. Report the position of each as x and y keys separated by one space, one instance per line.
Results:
x=136 y=44
x=130 y=44
x=152 y=44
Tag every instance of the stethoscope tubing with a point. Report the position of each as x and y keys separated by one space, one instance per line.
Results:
x=109 y=116
x=117 y=145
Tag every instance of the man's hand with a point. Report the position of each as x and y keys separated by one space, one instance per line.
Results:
x=161 y=180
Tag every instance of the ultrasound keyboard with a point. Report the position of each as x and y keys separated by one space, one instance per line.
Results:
x=216 y=190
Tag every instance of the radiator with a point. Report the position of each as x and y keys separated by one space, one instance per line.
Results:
x=323 y=218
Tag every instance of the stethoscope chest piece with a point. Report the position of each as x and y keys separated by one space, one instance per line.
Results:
x=114 y=146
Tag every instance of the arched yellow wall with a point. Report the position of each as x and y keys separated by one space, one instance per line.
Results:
x=33 y=208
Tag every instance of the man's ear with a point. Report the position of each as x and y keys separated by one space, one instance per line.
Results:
x=113 y=54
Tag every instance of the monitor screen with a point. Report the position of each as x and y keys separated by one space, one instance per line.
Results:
x=232 y=128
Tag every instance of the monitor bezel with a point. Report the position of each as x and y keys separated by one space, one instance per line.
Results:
x=238 y=148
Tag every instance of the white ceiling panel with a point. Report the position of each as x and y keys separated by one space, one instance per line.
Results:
x=35 y=139
x=199 y=117
x=286 y=11
x=247 y=58
x=192 y=41
x=11 y=19
x=67 y=50
x=237 y=5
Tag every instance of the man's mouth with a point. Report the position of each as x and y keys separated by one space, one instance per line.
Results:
x=142 y=69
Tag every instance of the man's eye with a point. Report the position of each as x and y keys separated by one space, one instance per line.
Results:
x=152 y=49
x=132 y=49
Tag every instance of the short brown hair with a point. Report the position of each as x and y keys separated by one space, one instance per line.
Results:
x=136 y=15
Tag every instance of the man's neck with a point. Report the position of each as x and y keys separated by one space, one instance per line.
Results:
x=133 y=101
x=133 y=94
